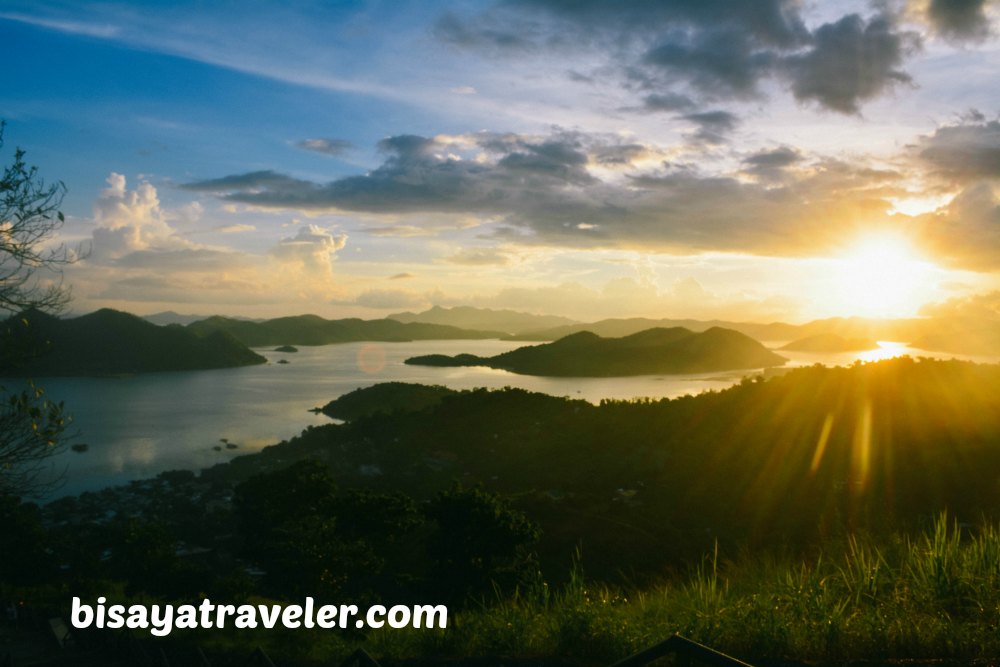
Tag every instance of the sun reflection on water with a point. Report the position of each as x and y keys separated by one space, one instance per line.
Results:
x=886 y=349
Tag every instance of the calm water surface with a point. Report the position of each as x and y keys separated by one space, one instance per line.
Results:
x=139 y=426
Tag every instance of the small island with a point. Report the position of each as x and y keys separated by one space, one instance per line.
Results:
x=657 y=350
x=286 y=348
x=829 y=342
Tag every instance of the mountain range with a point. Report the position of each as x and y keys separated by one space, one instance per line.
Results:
x=510 y=322
x=110 y=342
x=315 y=330
x=657 y=350
x=959 y=335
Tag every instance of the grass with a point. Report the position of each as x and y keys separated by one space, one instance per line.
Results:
x=932 y=596
x=929 y=596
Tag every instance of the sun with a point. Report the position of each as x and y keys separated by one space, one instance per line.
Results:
x=882 y=276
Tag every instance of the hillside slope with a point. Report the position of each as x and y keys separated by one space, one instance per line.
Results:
x=315 y=330
x=658 y=350
x=112 y=342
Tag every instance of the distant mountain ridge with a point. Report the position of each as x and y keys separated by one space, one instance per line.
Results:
x=315 y=330
x=510 y=322
x=166 y=317
x=110 y=342
x=652 y=351
x=829 y=342
x=903 y=330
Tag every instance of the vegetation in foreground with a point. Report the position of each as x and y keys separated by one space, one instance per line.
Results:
x=934 y=595
x=780 y=480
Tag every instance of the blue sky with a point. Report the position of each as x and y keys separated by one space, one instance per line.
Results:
x=768 y=160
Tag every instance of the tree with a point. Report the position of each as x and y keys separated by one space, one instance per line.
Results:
x=480 y=543
x=30 y=272
x=30 y=279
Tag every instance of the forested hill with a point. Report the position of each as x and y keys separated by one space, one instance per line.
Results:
x=785 y=461
x=110 y=342
x=658 y=350
x=315 y=330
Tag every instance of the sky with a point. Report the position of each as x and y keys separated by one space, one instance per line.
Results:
x=767 y=160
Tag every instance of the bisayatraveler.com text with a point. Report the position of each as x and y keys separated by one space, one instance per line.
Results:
x=162 y=619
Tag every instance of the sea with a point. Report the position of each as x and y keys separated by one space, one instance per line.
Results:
x=135 y=427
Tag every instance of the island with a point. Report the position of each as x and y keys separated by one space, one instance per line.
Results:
x=657 y=350
x=286 y=348
x=110 y=342
x=829 y=342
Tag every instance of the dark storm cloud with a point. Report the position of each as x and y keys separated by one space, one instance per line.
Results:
x=964 y=151
x=333 y=147
x=850 y=61
x=540 y=190
x=959 y=19
x=712 y=49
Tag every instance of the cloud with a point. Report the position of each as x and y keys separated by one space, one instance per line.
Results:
x=959 y=20
x=963 y=151
x=665 y=102
x=627 y=296
x=966 y=232
x=771 y=165
x=131 y=220
x=480 y=257
x=251 y=181
x=554 y=190
x=99 y=30
x=850 y=61
x=979 y=306
x=138 y=255
x=334 y=147
x=386 y=298
x=709 y=49
x=312 y=247
x=236 y=229
x=718 y=63
x=402 y=276
x=713 y=126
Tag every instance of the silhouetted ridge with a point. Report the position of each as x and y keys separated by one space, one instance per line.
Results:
x=315 y=330
x=112 y=342
x=830 y=342
x=657 y=350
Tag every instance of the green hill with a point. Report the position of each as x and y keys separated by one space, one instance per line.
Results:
x=315 y=330
x=585 y=354
x=112 y=342
x=385 y=398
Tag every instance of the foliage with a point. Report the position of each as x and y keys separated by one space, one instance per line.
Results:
x=480 y=542
x=29 y=218
x=30 y=430
x=30 y=278
x=312 y=541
